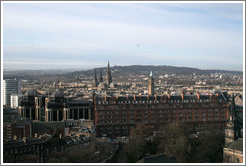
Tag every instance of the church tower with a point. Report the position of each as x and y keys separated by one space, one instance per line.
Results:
x=230 y=133
x=100 y=76
x=108 y=75
x=151 y=84
x=95 y=78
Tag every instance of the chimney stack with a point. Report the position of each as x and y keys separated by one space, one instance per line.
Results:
x=198 y=95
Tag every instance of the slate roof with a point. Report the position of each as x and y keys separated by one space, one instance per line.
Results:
x=236 y=145
x=164 y=97
x=159 y=158
x=47 y=128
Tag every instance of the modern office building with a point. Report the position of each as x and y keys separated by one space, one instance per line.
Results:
x=10 y=86
x=14 y=100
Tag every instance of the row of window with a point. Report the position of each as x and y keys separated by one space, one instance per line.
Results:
x=158 y=101
x=155 y=120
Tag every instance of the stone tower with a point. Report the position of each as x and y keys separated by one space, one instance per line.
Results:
x=108 y=75
x=95 y=78
x=100 y=76
x=230 y=129
x=151 y=84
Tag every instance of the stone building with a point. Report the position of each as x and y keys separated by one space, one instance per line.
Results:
x=233 y=153
x=54 y=107
x=151 y=84
x=41 y=147
x=233 y=150
x=116 y=115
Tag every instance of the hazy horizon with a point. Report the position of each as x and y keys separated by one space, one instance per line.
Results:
x=86 y=35
x=90 y=68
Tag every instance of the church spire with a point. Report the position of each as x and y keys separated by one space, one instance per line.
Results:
x=108 y=75
x=95 y=78
x=100 y=76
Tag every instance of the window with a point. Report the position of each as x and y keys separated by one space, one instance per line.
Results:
x=227 y=159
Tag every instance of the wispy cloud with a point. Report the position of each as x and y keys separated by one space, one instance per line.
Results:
x=128 y=31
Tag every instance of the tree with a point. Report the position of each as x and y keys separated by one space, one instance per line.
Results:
x=136 y=147
x=208 y=147
x=70 y=156
x=175 y=142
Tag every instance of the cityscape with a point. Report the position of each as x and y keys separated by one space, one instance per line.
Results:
x=70 y=100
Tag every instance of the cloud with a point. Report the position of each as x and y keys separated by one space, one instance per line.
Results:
x=150 y=31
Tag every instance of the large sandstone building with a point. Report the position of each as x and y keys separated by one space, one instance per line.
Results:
x=116 y=115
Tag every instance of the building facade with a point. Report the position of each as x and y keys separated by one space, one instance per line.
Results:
x=10 y=86
x=151 y=84
x=233 y=153
x=14 y=100
x=233 y=150
x=54 y=107
x=116 y=115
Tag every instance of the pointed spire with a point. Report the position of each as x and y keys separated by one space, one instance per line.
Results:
x=100 y=76
x=95 y=78
x=95 y=73
x=108 y=65
x=108 y=75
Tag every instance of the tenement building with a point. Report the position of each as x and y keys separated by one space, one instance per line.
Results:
x=116 y=115
x=233 y=150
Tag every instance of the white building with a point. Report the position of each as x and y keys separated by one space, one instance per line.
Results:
x=14 y=100
x=10 y=86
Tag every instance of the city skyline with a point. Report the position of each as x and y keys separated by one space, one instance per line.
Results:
x=86 y=35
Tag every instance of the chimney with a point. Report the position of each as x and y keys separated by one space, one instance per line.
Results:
x=198 y=95
x=182 y=95
x=24 y=139
x=168 y=94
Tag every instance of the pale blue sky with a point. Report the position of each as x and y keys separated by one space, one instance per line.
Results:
x=79 y=35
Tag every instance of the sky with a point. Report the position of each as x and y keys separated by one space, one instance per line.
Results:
x=88 y=35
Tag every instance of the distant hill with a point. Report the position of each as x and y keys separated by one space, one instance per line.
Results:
x=145 y=70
